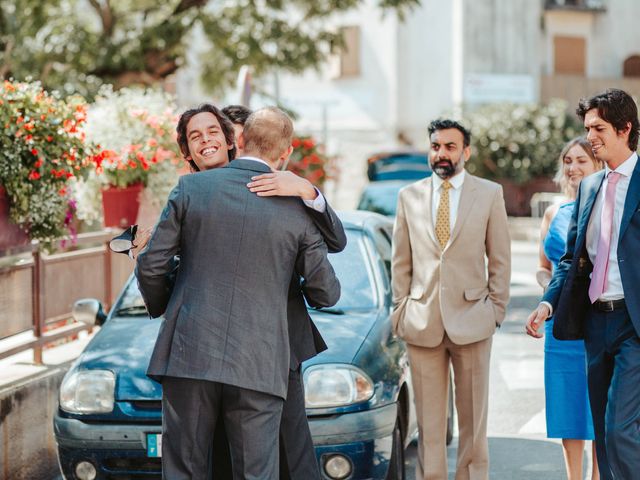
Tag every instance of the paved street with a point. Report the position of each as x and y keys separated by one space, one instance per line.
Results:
x=518 y=445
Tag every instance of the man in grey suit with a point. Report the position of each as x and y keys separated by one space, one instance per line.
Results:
x=297 y=454
x=224 y=346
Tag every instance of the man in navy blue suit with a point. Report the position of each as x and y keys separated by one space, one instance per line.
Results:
x=594 y=291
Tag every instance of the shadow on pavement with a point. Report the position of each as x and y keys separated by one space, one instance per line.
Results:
x=511 y=459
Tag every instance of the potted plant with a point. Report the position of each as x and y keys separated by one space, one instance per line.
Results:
x=136 y=132
x=308 y=160
x=42 y=147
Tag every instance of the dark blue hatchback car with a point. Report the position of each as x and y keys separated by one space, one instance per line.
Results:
x=358 y=394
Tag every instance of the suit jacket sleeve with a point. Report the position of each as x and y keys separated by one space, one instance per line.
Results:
x=330 y=227
x=552 y=293
x=156 y=262
x=498 y=247
x=319 y=285
x=401 y=256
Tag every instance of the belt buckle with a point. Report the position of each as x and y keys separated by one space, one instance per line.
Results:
x=606 y=306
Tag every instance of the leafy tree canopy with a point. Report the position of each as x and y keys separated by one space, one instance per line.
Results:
x=76 y=45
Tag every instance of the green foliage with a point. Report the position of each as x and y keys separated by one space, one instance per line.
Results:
x=519 y=142
x=76 y=45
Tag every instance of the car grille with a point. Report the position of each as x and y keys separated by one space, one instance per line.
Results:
x=147 y=404
x=138 y=465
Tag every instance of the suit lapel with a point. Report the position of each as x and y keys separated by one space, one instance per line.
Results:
x=467 y=199
x=632 y=200
x=591 y=190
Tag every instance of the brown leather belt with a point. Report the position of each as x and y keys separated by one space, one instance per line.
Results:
x=609 y=305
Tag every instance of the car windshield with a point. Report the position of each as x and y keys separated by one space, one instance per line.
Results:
x=352 y=268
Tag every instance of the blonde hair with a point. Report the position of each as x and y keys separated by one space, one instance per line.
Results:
x=582 y=142
x=267 y=133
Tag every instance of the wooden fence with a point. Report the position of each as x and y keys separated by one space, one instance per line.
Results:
x=37 y=290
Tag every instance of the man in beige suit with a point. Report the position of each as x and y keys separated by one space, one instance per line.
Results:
x=449 y=300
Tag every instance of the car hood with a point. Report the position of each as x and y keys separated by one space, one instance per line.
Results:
x=124 y=346
x=343 y=334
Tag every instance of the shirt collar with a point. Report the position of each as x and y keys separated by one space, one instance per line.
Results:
x=625 y=168
x=255 y=159
x=456 y=181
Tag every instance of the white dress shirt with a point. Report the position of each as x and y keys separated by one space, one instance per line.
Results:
x=614 y=290
x=454 y=197
x=319 y=204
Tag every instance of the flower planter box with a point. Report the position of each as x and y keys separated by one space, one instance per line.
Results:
x=121 y=205
x=11 y=235
x=517 y=198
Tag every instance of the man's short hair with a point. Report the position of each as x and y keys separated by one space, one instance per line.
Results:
x=444 y=124
x=267 y=133
x=225 y=124
x=617 y=108
x=238 y=114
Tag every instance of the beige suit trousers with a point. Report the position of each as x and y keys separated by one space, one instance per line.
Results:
x=430 y=376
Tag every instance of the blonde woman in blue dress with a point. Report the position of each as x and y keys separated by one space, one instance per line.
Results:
x=565 y=373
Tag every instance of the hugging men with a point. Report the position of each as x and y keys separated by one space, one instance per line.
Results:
x=223 y=351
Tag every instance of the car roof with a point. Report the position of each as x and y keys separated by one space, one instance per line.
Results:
x=362 y=219
x=396 y=153
x=387 y=185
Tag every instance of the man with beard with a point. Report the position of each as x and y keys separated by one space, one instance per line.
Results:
x=448 y=301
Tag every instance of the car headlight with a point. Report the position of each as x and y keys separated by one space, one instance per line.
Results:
x=88 y=391
x=336 y=385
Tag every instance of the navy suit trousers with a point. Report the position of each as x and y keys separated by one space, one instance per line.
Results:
x=613 y=356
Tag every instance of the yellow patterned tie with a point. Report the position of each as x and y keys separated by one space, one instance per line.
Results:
x=443 y=225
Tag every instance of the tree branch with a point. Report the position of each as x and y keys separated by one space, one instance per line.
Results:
x=106 y=15
x=185 y=5
x=5 y=68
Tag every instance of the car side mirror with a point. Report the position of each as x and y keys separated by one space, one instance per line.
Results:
x=89 y=311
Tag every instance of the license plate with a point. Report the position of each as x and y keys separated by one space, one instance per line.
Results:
x=154 y=444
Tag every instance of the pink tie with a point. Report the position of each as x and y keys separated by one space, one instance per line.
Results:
x=601 y=268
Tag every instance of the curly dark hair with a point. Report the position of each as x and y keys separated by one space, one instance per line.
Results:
x=225 y=125
x=444 y=124
x=617 y=108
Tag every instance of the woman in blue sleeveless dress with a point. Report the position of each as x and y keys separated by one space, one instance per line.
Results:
x=565 y=373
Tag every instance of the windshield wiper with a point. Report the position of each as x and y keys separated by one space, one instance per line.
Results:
x=331 y=310
x=132 y=310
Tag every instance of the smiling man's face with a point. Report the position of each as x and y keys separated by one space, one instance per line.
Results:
x=608 y=144
x=206 y=142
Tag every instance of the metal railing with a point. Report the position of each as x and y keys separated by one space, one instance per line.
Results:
x=37 y=290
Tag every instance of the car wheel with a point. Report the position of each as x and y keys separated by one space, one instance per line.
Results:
x=450 y=410
x=396 y=464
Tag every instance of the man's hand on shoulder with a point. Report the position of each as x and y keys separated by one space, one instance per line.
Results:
x=282 y=184
x=536 y=320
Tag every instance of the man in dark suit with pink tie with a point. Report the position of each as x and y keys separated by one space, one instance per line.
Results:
x=594 y=291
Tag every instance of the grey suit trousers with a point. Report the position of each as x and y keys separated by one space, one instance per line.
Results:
x=191 y=409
